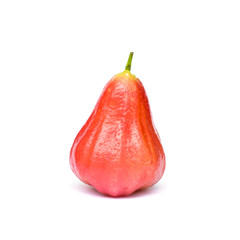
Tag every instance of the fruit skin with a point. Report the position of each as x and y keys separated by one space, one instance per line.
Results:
x=118 y=150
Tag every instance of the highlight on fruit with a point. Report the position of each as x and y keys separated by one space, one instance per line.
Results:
x=118 y=150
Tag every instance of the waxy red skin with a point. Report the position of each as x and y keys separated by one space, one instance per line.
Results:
x=118 y=150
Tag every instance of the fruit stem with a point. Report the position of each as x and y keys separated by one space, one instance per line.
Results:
x=129 y=62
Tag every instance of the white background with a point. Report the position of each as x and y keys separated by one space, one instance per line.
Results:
x=56 y=57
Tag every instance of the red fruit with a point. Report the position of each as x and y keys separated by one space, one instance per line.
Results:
x=118 y=150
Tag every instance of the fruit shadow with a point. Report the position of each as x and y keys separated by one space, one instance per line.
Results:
x=89 y=190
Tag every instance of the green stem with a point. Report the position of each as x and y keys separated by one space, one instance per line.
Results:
x=129 y=62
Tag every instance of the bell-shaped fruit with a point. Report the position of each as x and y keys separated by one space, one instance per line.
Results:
x=118 y=150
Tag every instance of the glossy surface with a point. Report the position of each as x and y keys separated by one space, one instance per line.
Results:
x=118 y=150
